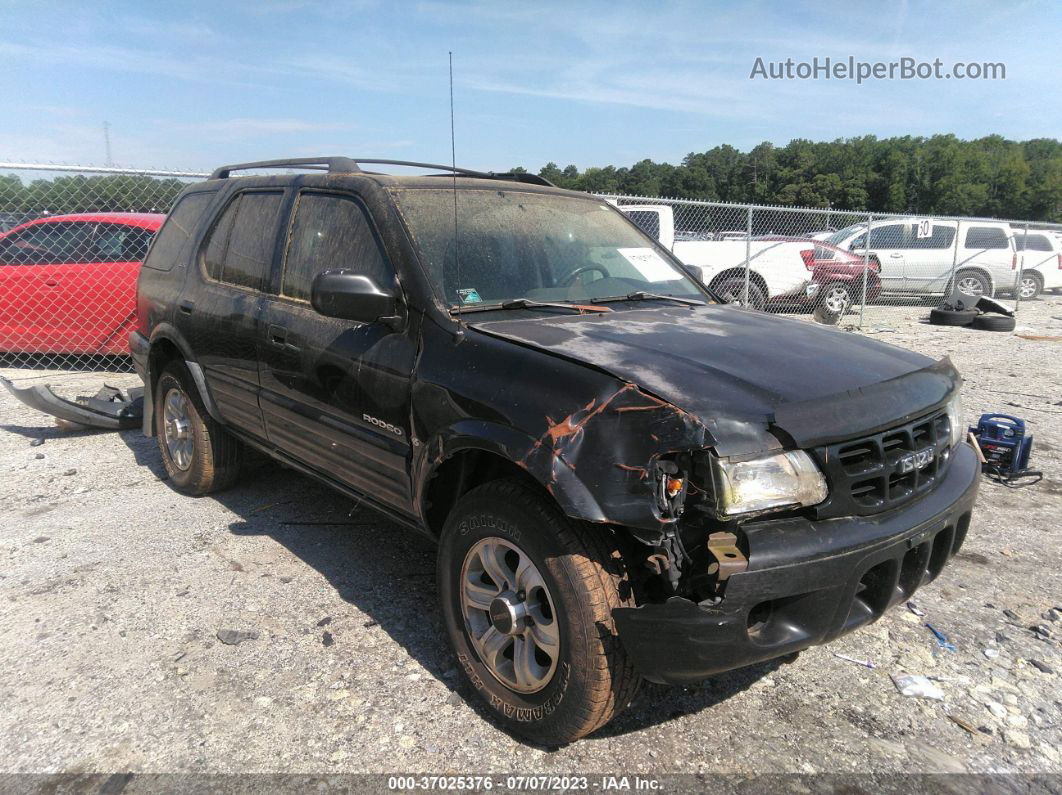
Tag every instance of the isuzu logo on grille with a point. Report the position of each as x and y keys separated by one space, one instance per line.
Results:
x=919 y=459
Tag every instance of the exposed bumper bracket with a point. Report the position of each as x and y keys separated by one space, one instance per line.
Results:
x=728 y=558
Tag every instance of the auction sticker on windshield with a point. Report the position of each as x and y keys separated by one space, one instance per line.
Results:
x=649 y=264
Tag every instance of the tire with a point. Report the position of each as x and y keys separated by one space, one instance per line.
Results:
x=199 y=455
x=972 y=283
x=836 y=298
x=951 y=317
x=993 y=323
x=580 y=577
x=1030 y=286
x=732 y=291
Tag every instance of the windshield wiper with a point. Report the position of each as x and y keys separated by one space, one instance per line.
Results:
x=642 y=295
x=527 y=303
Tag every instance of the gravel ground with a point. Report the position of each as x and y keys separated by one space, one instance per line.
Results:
x=118 y=595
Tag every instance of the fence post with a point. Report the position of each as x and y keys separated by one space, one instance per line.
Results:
x=748 y=254
x=952 y=289
x=866 y=265
x=1021 y=268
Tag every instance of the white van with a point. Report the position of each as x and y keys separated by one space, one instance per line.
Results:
x=916 y=255
x=779 y=267
x=1040 y=254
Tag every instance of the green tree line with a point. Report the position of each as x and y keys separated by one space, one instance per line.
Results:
x=941 y=175
x=79 y=194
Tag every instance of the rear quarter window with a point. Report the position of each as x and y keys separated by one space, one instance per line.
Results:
x=175 y=233
x=239 y=248
x=1033 y=243
x=986 y=237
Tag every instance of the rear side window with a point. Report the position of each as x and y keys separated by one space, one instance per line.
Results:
x=119 y=243
x=986 y=237
x=181 y=222
x=239 y=248
x=1033 y=243
x=330 y=232
x=942 y=237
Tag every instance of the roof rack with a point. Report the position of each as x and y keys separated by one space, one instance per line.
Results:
x=349 y=165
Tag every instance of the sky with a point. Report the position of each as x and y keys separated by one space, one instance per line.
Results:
x=193 y=85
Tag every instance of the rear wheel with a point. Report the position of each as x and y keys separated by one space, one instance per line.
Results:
x=973 y=283
x=732 y=291
x=200 y=456
x=527 y=599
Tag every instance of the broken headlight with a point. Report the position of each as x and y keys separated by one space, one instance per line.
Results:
x=954 y=411
x=763 y=484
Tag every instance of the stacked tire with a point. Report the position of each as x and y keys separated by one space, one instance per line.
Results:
x=943 y=316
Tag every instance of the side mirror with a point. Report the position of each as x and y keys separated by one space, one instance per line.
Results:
x=351 y=296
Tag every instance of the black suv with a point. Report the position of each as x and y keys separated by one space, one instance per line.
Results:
x=625 y=478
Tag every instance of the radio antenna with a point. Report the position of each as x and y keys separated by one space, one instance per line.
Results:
x=453 y=163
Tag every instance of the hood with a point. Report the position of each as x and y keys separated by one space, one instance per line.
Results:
x=732 y=367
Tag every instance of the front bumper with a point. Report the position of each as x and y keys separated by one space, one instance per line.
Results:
x=806 y=583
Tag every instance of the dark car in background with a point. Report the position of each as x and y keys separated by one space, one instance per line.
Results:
x=626 y=480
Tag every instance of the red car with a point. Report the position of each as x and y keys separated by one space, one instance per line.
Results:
x=68 y=282
x=836 y=278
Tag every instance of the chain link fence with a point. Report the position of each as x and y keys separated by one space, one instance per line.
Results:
x=862 y=270
x=72 y=239
x=71 y=243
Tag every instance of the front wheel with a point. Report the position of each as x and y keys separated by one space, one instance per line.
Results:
x=527 y=599
x=1030 y=286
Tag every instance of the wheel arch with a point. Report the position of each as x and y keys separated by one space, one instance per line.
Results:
x=755 y=277
x=168 y=345
x=474 y=453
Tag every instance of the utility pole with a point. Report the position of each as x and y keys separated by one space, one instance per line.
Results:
x=107 y=142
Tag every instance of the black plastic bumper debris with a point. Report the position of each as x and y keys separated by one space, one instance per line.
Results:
x=110 y=408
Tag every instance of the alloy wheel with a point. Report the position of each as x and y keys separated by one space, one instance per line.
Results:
x=837 y=300
x=509 y=615
x=177 y=427
x=971 y=285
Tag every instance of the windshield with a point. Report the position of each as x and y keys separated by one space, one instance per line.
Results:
x=540 y=247
x=838 y=238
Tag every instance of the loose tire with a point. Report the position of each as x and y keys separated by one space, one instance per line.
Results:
x=993 y=323
x=200 y=456
x=1030 y=286
x=973 y=283
x=539 y=646
x=951 y=317
x=732 y=291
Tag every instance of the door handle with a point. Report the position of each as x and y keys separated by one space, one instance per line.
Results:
x=278 y=335
x=895 y=255
x=186 y=306
x=51 y=283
